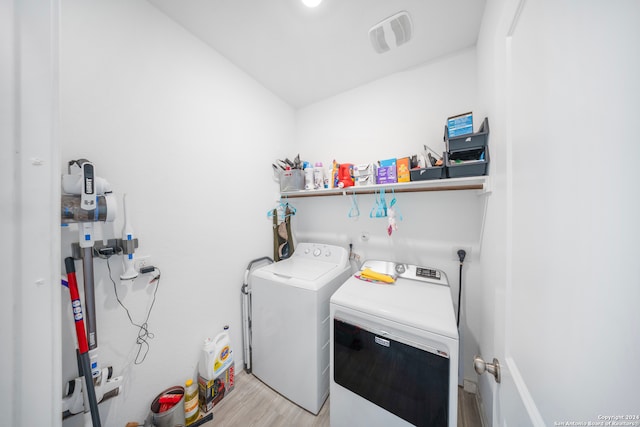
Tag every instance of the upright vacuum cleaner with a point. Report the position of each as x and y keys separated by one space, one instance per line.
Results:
x=87 y=199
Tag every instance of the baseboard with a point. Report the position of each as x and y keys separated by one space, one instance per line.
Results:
x=470 y=386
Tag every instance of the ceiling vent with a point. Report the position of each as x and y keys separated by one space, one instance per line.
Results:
x=390 y=33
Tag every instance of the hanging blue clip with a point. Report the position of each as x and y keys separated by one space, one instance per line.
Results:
x=379 y=210
x=284 y=209
x=354 y=212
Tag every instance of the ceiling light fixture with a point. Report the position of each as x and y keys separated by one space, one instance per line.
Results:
x=311 y=3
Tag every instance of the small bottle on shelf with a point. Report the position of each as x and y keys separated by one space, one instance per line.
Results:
x=308 y=176
x=318 y=176
x=191 y=409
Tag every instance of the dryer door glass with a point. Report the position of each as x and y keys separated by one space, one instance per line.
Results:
x=407 y=381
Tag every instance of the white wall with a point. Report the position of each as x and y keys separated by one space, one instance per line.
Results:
x=29 y=221
x=570 y=283
x=190 y=139
x=395 y=117
x=391 y=117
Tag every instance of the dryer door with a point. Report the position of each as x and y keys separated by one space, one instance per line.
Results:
x=408 y=381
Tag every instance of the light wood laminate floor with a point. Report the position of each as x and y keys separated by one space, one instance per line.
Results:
x=253 y=404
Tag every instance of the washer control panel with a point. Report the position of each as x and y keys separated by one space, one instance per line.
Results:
x=320 y=252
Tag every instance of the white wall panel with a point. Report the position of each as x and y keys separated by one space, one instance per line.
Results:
x=190 y=139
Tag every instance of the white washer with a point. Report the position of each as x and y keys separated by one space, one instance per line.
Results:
x=394 y=350
x=290 y=321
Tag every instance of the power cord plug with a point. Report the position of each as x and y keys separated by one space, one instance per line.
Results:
x=461 y=255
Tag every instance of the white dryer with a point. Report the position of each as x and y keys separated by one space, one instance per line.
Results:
x=394 y=350
x=290 y=321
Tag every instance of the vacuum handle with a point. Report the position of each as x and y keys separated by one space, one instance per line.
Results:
x=76 y=305
x=70 y=265
x=83 y=346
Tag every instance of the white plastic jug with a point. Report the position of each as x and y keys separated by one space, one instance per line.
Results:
x=207 y=358
x=224 y=354
x=216 y=356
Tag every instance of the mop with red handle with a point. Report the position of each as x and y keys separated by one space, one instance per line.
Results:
x=83 y=346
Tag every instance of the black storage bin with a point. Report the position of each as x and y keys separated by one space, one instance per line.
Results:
x=423 y=174
x=470 y=162
x=434 y=172
x=470 y=141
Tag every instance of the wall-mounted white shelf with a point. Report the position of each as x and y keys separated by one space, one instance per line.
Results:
x=479 y=183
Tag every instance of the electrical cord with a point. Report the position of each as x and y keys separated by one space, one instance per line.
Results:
x=143 y=330
x=461 y=256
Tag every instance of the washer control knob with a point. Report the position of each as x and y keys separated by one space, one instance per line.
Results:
x=307 y=250
x=328 y=253
x=400 y=268
x=317 y=252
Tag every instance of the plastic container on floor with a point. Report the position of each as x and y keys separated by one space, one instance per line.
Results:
x=216 y=355
x=191 y=407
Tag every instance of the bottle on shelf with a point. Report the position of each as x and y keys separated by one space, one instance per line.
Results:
x=308 y=176
x=318 y=176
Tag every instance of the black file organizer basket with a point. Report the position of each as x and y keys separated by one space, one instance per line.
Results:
x=471 y=162
x=469 y=141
